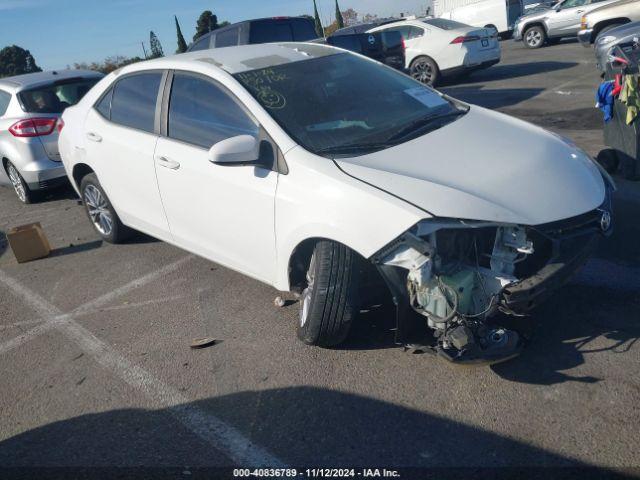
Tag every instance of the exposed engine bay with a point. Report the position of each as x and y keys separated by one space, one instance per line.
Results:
x=457 y=274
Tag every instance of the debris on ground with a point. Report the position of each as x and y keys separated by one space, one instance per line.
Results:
x=28 y=242
x=203 y=342
x=279 y=302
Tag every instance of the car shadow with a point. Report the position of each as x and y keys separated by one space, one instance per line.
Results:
x=72 y=248
x=63 y=192
x=492 y=98
x=300 y=426
x=506 y=72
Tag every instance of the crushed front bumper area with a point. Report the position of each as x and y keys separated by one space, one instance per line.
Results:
x=457 y=274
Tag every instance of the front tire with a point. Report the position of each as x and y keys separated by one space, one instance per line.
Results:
x=425 y=70
x=534 y=37
x=23 y=192
x=329 y=302
x=103 y=216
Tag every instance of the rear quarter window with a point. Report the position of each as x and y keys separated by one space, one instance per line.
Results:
x=5 y=98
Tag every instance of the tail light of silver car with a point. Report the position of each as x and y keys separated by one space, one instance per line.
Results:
x=35 y=127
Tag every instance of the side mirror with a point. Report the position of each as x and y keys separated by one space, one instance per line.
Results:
x=243 y=149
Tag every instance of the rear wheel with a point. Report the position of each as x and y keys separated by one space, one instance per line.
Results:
x=329 y=302
x=425 y=70
x=104 y=218
x=25 y=195
x=534 y=37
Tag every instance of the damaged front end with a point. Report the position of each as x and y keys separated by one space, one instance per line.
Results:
x=456 y=274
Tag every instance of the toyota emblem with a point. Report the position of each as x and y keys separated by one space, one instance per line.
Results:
x=372 y=39
x=605 y=221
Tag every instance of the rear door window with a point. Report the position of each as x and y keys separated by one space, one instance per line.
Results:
x=303 y=30
x=134 y=101
x=5 y=98
x=56 y=97
x=227 y=38
x=267 y=31
x=202 y=113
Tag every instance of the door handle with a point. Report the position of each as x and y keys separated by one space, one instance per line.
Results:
x=168 y=163
x=94 y=137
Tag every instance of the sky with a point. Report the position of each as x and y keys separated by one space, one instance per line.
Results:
x=61 y=32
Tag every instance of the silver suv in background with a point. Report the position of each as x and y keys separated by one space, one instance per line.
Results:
x=30 y=109
x=604 y=19
x=550 y=25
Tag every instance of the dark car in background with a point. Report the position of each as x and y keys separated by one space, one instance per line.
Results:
x=385 y=47
x=261 y=30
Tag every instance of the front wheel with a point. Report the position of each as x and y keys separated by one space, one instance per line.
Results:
x=425 y=70
x=23 y=192
x=103 y=217
x=329 y=302
x=534 y=37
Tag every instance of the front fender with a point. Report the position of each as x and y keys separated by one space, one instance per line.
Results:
x=317 y=200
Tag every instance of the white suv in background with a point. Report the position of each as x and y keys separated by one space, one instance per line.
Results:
x=30 y=109
x=437 y=47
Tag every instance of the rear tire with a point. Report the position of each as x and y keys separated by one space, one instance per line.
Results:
x=425 y=70
x=534 y=37
x=23 y=192
x=329 y=302
x=103 y=216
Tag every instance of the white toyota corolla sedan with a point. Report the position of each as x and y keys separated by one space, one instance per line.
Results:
x=317 y=171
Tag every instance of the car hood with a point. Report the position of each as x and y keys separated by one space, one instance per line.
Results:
x=486 y=166
x=536 y=14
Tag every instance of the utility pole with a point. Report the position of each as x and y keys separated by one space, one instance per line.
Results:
x=144 y=51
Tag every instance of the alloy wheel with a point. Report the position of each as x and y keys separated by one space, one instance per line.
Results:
x=305 y=300
x=98 y=210
x=422 y=71
x=533 y=38
x=18 y=184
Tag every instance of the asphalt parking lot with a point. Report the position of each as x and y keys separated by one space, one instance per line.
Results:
x=96 y=368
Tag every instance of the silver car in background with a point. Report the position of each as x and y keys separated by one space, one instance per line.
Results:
x=620 y=35
x=30 y=109
x=550 y=25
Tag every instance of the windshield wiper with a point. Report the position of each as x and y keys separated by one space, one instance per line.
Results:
x=353 y=148
x=421 y=123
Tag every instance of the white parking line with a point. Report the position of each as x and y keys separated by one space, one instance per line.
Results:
x=208 y=427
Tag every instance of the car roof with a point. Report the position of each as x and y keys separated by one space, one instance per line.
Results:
x=30 y=80
x=242 y=58
x=245 y=22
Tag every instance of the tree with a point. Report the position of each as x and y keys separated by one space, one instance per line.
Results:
x=207 y=22
x=156 y=48
x=339 y=19
x=319 y=30
x=350 y=17
x=182 y=44
x=15 y=60
x=109 y=65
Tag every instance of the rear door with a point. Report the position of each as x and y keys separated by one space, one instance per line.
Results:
x=224 y=213
x=121 y=134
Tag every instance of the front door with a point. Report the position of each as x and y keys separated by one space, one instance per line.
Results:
x=120 y=142
x=565 y=20
x=224 y=213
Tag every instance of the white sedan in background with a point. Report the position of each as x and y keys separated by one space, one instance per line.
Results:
x=437 y=47
x=320 y=172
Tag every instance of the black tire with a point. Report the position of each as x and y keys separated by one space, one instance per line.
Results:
x=425 y=70
x=534 y=37
x=20 y=187
x=118 y=231
x=329 y=303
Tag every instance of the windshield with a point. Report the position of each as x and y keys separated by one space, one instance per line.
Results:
x=346 y=104
x=55 y=98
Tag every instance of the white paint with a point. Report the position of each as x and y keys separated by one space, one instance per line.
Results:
x=209 y=428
